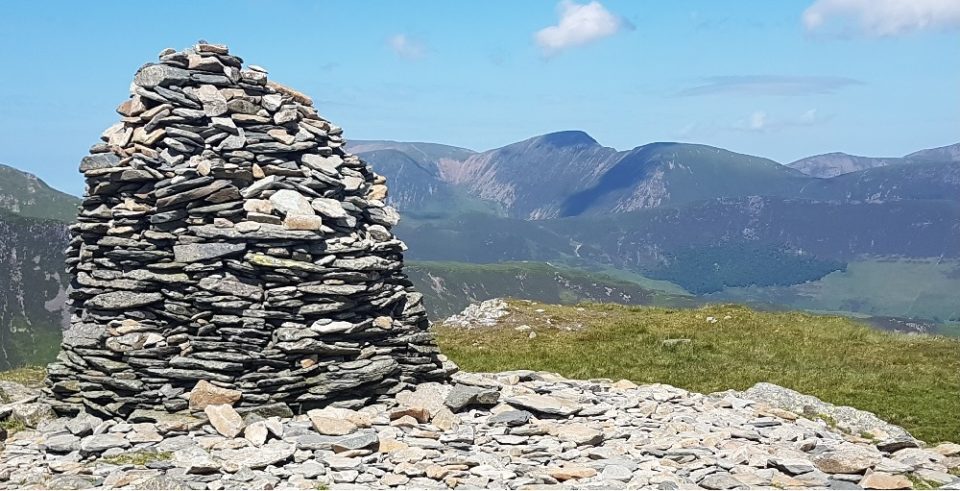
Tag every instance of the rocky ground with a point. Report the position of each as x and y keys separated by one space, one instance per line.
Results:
x=506 y=430
x=482 y=314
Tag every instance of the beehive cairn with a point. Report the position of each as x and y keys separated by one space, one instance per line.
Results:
x=227 y=238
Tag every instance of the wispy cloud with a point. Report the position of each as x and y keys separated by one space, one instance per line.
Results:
x=762 y=122
x=881 y=18
x=579 y=25
x=759 y=122
x=768 y=85
x=407 y=47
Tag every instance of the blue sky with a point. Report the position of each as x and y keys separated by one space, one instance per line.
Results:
x=779 y=79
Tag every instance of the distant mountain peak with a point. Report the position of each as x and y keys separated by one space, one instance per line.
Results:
x=837 y=163
x=949 y=153
x=414 y=149
x=25 y=194
x=833 y=164
x=570 y=138
x=837 y=154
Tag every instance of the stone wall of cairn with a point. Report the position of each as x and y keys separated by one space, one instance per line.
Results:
x=226 y=236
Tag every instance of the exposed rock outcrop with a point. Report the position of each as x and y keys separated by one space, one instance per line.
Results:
x=482 y=314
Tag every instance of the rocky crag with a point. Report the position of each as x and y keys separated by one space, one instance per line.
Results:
x=226 y=236
x=512 y=430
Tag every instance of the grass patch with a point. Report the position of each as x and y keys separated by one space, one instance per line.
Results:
x=920 y=483
x=138 y=458
x=12 y=425
x=29 y=376
x=907 y=380
x=828 y=420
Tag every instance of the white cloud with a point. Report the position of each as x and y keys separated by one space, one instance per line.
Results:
x=407 y=47
x=758 y=121
x=884 y=17
x=761 y=122
x=579 y=25
x=810 y=117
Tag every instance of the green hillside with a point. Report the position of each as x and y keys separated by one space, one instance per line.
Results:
x=416 y=189
x=672 y=174
x=33 y=236
x=33 y=282
x=449 y=287
x=907 y=380
x=927 y=288
x=26 y=195
x=705 y=246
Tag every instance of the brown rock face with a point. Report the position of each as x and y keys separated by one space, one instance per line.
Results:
x=227 y=236
x=847 y=459
x=882 y=480
x=224 y=419
x=571 y=472
x=205 y=394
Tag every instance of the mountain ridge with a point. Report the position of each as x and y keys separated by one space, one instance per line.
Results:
x=568 y=173
x=834 y=164
x=948 y=153
x=25 y=194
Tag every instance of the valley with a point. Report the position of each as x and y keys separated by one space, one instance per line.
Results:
x=894 y=287
x=877 y=238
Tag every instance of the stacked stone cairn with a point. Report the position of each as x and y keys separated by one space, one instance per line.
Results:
x=226 y=238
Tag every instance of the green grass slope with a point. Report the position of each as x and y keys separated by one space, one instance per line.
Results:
x=907 y=380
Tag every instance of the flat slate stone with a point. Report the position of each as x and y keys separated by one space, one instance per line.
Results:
x=466 y=395
x=356 y=441
x=63 y=444
x=154 y=75
x=99 y=161
x=510 y=418
x=191 y=194
x=190 y=253
x=271 y=453
x=120 y=300
x=103 y=441
x=545 y=404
